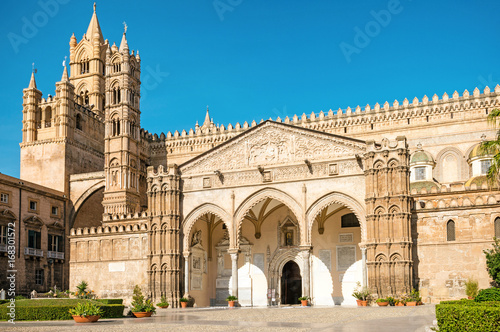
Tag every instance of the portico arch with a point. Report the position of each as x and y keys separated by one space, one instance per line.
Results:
x=261 y=195
x=200 y=211
x=336 y=198
x=79 y=202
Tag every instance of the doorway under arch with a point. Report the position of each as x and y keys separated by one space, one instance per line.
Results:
x=291 y=283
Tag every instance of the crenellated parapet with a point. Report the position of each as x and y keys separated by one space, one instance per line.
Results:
x=130 y=227
x=376 y=119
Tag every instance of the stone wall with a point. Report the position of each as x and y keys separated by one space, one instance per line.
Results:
x=443 y=264
x=117 y=251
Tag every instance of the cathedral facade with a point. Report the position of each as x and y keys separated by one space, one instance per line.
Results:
x=392 y=196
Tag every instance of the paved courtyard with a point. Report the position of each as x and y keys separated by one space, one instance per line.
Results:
x=256 y=319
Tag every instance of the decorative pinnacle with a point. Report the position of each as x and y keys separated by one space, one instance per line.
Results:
x=94 y=7
x=125 y=26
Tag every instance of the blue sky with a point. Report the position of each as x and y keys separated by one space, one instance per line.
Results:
x=256 y=59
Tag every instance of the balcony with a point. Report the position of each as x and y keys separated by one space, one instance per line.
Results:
x=33 y=252
x=55 y=254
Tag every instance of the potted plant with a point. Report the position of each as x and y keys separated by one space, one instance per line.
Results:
x=382 y=302
x=400 y=302
x=414 y=298
x=303 y=300
x=361 y=294
x=163 y=303
x=471 y=288
x=230 y=300
x=139 y=306
x=184 y=302
x=391 y=300
x=86 y=312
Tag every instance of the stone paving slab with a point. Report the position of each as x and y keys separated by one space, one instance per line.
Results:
x=337 y=319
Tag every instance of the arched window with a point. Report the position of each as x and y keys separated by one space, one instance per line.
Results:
x=79 y=122
x=497 y=227
x=450 y=231
x=349 y=220
x=48 y=117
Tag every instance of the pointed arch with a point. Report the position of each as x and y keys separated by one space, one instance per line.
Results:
x=450 y=230
x=261 y=195
x=336 y=198
x=195 y=214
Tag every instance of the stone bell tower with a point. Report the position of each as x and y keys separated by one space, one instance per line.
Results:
x=122 y=133
x=389 y=242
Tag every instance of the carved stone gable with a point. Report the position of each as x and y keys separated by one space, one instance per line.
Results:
x=273 y=143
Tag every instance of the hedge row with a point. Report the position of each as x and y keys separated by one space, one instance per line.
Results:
x=55 y=312
x=473 y=303
x=110 y=301
x=489 y=294
x=468 y=316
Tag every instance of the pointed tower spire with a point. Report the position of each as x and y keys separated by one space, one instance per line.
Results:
x=32 y=81
x=65 y=75
x=124 y=44
x=94 y=28
x=207 y=119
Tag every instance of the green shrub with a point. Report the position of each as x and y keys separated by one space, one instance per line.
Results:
x=51 y=309
x=112 y=310
x=471 y=288
x=139 y=304
x=493 y=261
x=473 y=303
x=452 y=317
x=490 y=294
x=86 y=309
x=110 y=301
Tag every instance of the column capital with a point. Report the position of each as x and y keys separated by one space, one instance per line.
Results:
x=305 y=248
x=186 y=254
x=233 y=251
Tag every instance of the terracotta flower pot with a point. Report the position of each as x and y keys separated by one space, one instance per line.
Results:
x=362 y=303
x=142 y=314
x=230 y=304
x=304 y=302
x=400 y=304
x=383 y=304
x=184 y=304
x=411 y=304
x=85 y=319
x=164 y=307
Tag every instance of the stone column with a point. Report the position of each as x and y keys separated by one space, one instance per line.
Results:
x=186 y=272
x=234 y=272
x=306 y=273
x=363 y=266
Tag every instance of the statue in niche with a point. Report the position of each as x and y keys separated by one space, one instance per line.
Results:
x=220 y=263
x=196 y=238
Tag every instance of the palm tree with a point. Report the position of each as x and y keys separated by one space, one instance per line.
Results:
x=493 y=148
